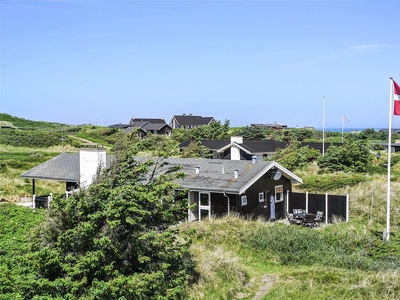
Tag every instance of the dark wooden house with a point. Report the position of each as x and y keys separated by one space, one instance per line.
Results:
x=189 y=121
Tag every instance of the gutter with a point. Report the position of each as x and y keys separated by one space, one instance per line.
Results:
x=229 y=203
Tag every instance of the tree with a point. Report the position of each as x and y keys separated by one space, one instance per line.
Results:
x=195 y=150
x=118 y=238
x=254 y=132
x=352 y=156
x=213 y=131
x=294 y=157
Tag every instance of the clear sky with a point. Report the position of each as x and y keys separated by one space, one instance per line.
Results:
x=103 y=62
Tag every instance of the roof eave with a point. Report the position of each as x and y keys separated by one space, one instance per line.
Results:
x=292 y=177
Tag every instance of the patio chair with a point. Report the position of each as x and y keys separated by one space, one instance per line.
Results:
x=291 y=218
x=309 y=220
x=319 y=217
x=297 y=212
x=298 y=215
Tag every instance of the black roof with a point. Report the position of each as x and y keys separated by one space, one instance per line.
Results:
x=210 y=144
x=150 y=120
x=257 y=146
x=119 y=126
x=193 y=120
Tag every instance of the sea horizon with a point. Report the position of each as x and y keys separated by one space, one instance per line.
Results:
x=339 y=129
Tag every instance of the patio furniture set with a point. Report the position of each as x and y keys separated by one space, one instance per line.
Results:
x=300 y=217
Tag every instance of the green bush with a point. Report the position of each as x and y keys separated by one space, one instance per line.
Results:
x=16 y=224
x=3 y=167
x=29 y=138
x=351 y=157
x=294 y=157
x=324 y=183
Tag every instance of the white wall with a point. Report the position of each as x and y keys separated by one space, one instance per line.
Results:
x=235 y=152
x=90 y=160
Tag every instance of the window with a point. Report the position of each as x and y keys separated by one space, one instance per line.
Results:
x=204 y=206
x=204 y=200
x=279 y=193
x=244 y=200
x=261 y=197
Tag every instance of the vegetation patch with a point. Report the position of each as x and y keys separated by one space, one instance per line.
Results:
x=326 y=182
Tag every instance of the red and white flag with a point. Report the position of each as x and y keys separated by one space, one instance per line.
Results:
x=396 y=98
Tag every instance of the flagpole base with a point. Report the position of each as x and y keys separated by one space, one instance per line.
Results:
x=385 y=235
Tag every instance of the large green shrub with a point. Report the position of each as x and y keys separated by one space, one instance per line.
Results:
x=16 y=222
x=117 y=239
x=294 y=157
x=351 y=157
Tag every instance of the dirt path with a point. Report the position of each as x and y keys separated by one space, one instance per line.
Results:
x=267 y=283
x=86 y=141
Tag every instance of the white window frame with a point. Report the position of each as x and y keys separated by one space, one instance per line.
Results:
x=205 y=207
x=281 y=192
x=261 y=197
x=244 y=200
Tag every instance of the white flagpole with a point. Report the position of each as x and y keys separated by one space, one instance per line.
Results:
x=323 y=126
x=387 y=230
x=343 y=117
x=342 y=127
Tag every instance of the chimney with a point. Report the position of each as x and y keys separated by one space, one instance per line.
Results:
x=235 y=152
x=197 y=169
x=253 y=159
x=235 y=173
x=92 y=159
x=237 y=139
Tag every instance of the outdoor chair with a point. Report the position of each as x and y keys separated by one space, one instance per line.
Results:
x=297 y=212
x=319 y=217
x=309 y=220
x=298 y=215
x=291 y=218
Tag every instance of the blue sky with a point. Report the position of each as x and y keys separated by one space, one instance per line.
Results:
x=102 y=62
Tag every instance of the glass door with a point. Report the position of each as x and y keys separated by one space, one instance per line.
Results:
x=204 y=206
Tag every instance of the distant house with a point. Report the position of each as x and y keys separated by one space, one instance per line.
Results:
x=144 y=126
x=279 y=126
x=239 y=149
x=395 y=146
x=394 y=130
x=273 y=125
x=189 y=121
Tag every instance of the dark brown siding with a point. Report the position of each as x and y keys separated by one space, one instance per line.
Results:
x=266 y=185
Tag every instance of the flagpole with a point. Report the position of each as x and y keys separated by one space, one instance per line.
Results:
x=343 y=117
x=387 y=230
x=323 y=126
x=342 y=127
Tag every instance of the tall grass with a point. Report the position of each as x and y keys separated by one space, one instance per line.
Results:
x=16 y=160
x=338 y=261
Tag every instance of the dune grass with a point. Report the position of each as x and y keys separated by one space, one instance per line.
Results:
x=233 y=255
x=16 y=160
